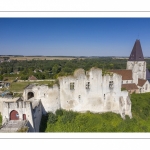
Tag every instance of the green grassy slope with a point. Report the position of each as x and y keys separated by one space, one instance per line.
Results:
x=70 y=121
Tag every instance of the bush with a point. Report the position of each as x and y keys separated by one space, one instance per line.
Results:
x=68 y=116
x=52 y=118
x=123 y=89
x=23 y=129
x=59 y=112
x=69 y=121
x=1 y=77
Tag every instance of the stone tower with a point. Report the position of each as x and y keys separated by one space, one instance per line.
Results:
x=136 y=62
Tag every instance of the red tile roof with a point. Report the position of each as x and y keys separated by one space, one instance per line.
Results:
x=131 y=86
x=126 y=74
x=32 y=78
x=141 y=82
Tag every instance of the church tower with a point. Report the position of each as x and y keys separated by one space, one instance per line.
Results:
x=136 y=62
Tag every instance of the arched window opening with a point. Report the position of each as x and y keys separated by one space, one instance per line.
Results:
x=30 y=95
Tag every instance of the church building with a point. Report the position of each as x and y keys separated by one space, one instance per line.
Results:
x=135 y=78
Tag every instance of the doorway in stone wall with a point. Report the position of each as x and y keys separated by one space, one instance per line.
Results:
x=24 y=116
x=14 y=115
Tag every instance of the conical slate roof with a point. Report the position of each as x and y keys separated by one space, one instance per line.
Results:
x=136 y=54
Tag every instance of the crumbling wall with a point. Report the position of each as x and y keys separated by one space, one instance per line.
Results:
x=103 y=94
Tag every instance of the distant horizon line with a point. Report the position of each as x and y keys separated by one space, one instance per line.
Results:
x=59 y=56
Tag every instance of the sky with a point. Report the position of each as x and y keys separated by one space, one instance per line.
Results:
x=73 y=36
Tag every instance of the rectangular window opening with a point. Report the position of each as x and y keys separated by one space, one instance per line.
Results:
x=88 y=85
x=72 y=86
x=146 y=87
x=111 y=84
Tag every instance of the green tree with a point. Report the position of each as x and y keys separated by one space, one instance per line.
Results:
x=55 y=69
x=1 y=77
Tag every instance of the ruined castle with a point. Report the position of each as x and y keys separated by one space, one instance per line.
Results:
x=83 y=91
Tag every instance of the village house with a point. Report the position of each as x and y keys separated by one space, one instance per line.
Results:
x=32 y=78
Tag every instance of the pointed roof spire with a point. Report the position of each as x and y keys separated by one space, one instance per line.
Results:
x=136 y=54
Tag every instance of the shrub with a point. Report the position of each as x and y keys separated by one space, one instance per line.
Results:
x=52 y=118
x=59 y=112
x=69 y=121
x=50 y=84
x=23 y=129
x=123 y=89
x=68 y=116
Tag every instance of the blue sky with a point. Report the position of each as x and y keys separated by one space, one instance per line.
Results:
x=73 y=36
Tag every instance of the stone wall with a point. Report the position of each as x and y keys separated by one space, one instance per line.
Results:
x=83 y=91
x=138 y=68
x=102 y=95
x=145 y=88
x=49 y=97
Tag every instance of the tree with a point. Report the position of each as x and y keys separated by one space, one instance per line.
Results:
x=55 y=68
x=1 y=77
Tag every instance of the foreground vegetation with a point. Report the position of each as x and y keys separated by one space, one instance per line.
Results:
x=23 y=129
x=64 y=121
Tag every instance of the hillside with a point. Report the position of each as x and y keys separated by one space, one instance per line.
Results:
x=70 y=121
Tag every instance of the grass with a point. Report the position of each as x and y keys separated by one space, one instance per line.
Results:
x=19 y=86
x=41 y=58
x=9 y=79
x=106 y=122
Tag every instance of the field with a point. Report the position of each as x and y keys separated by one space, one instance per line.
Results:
x=9 y=79
x=40 y=58
x=19 y=86
x=64 y=121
